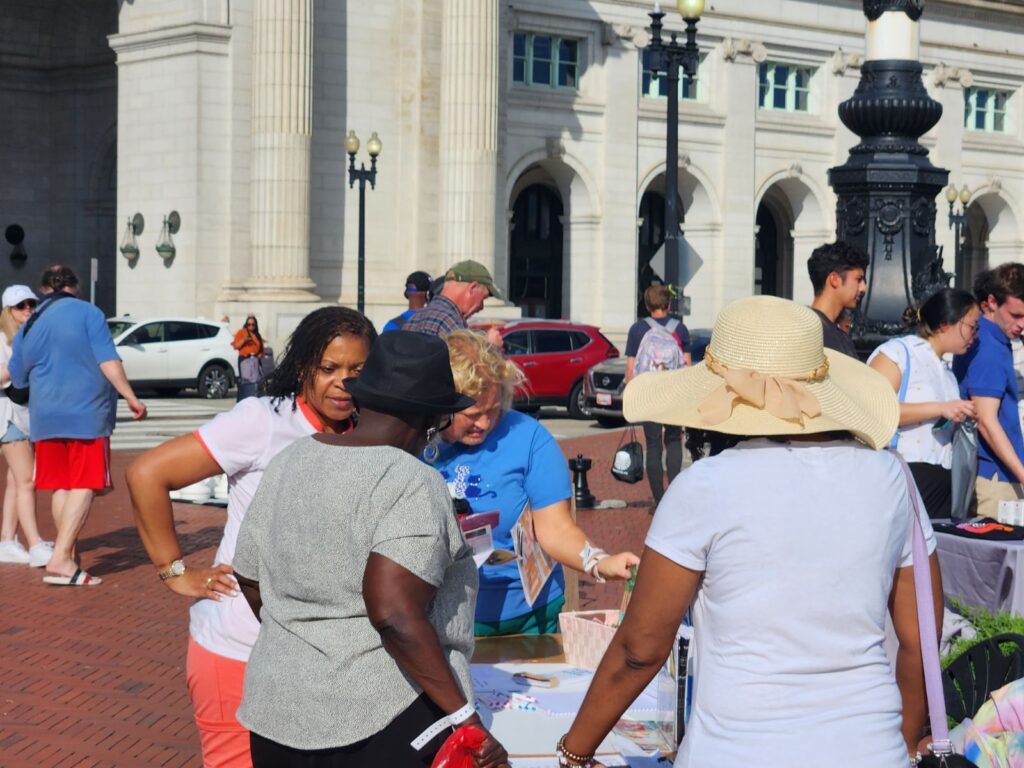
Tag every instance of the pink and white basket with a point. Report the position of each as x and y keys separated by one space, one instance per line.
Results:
x=586 y=636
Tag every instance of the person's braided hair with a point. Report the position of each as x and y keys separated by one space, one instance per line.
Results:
x=305 y=349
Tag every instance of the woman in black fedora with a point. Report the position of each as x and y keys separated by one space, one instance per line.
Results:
x=351 y=556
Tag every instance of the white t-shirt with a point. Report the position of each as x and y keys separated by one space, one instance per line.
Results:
x=9 y=410
x=799 y=544
x=243 y=441
x=931 y=381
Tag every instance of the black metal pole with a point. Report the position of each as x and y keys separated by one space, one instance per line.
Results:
x=362 y=175
x=668 y=57
x=361 y=279
x=672 y=180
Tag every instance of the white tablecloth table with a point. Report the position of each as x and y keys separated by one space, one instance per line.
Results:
x=984 y=574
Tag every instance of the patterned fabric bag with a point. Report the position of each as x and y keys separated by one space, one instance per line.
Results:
x=659 y=350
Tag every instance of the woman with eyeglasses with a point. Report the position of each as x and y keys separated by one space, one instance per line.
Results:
x=353 y=559
x=306 y=394
x=930 y=402
x=20 y=494
x=501 y=460
x=251 y=347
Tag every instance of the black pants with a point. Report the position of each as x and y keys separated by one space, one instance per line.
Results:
x=673 y=455
x=936 y=487
x=389 y=747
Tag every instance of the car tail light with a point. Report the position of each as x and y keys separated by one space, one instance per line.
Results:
x=612 y=352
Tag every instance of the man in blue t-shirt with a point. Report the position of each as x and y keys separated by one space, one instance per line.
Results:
x=657 y=299
x=417 y=292
x=987 y=377
x=66 y=356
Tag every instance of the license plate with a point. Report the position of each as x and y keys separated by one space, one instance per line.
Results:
x=604 y=398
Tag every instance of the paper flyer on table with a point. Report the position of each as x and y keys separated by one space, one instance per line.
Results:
x=535 y=567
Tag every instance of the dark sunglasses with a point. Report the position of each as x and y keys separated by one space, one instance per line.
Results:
x=26 y=304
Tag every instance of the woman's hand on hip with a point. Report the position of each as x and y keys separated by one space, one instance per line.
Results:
x=215 y=583
x=617 y=567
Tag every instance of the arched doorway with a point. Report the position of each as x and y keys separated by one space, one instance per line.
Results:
x=975 y=246
x=62 y=157
x=536 y=252
x=773 y=247
x=651 y=239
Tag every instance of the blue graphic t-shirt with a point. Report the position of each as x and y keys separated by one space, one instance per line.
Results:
x=519 y=462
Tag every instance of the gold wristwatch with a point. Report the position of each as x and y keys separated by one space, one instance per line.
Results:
x=176 y=568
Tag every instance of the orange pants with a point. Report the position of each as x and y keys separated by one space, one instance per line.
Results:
x=215 y=685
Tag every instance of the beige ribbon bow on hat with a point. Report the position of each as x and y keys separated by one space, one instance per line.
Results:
x=784 y=397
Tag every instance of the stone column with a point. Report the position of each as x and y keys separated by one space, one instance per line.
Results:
x=282 y=116
x=469 y=130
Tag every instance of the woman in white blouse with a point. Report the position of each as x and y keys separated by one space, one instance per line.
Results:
x=930 y=402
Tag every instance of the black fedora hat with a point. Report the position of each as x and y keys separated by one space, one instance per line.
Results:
x=408 y=371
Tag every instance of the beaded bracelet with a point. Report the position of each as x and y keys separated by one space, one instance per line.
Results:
x=567 y=759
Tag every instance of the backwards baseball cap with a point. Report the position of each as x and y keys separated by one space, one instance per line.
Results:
x=15 y=294
x=417 y=282
x=470 y=271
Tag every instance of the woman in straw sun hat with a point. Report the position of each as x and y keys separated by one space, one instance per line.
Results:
x=790 y=546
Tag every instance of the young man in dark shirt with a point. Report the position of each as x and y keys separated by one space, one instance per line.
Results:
x=837 y=275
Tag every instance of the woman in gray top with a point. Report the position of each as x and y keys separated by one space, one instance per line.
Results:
x=353 y=559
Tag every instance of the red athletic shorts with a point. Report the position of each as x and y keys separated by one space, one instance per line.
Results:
x=64 y=464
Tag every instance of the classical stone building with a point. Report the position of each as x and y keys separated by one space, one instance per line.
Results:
x=525 y=134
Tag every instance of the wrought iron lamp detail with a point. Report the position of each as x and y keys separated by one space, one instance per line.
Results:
x=164 y=244
x=129 y=243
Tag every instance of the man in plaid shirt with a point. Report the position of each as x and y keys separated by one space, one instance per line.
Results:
x=466 y=285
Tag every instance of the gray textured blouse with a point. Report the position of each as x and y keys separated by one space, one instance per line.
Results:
x=319 y=676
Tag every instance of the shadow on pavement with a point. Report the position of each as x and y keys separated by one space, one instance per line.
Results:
x=128 y=552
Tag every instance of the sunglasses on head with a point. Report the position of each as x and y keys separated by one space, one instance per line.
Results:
x=26 y=304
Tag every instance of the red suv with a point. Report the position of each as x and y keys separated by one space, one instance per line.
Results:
x=555 y=355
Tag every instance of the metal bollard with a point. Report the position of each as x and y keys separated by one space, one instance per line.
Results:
x=580 y=466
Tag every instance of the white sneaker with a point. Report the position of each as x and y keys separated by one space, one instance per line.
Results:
x=39 y=554
x=13 y=552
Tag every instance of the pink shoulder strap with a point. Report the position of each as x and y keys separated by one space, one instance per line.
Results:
x=926 y=623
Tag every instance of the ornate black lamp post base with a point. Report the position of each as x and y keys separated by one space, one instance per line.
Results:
x=887 y=188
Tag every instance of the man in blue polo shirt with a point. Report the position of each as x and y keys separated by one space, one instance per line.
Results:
x=987 y=377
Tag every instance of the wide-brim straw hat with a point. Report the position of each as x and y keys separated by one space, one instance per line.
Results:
x=766 y=372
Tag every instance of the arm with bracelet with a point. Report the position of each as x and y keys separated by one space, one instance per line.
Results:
x=397 y=605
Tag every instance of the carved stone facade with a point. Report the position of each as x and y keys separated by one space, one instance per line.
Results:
x=464 y=146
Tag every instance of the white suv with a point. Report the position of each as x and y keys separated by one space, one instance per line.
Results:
x=169 y=354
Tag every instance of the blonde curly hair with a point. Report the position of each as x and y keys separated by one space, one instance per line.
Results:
x=477 y=365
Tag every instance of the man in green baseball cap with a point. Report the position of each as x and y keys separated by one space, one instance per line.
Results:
x=470 y=271
x=466 y=286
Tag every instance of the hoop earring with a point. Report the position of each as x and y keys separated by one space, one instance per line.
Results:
x=431 y=451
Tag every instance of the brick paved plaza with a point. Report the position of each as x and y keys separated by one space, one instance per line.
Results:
x=95 y=676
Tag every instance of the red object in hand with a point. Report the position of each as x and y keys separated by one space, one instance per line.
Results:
x=458 y=749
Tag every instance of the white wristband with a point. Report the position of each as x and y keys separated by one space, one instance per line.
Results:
x=448 y=721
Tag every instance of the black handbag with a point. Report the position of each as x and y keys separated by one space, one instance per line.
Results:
x=628 y=461
x=19 y=395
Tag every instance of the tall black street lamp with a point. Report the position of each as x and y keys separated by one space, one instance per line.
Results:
x=362 y=175
x=887 y=188
x=957 y=221
x=668 y=57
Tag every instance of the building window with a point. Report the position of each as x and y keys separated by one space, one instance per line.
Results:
x=545 y=60
x=785 y=87
x=654 y=85
x=985 y=110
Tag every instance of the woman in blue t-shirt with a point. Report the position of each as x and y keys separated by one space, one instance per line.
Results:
x=499 y=460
